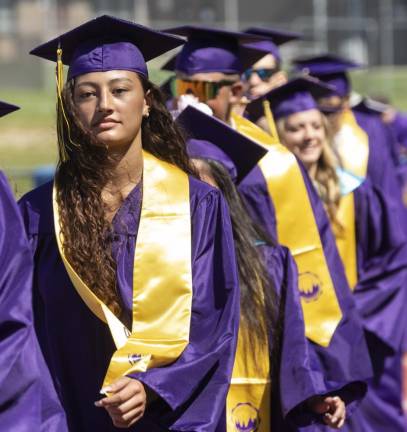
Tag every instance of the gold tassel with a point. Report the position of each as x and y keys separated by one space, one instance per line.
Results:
x=61 y=109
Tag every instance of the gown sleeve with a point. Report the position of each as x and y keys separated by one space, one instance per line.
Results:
x=27 y=396
x=195 y=386
x=381 y=292
x=302 y=373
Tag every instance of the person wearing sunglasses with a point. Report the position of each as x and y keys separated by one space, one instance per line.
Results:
x=209 y=67
x=267 y=73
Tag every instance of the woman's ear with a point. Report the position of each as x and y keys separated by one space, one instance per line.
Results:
x=147 y=104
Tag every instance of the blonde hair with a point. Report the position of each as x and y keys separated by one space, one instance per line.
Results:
x=326 y=180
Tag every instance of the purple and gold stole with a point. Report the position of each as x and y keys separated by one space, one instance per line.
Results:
x=352 y=144
x=297 y=229
x=249 y=399
x=162 y=276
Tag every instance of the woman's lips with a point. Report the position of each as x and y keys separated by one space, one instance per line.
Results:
x=106 y=124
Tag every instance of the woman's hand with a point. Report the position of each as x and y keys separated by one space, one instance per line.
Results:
x=126 y=402
x=332 y=408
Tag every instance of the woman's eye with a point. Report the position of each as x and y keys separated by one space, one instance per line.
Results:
x=86 y=95
x=119 y=91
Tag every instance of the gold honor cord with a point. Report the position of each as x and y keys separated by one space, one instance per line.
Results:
x=162 y=276
x=346 y=237
x=297 y=229
x=248 y=400
x=352 y=145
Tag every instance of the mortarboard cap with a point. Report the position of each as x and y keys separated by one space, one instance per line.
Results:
x=296 y=95
x=236 y=152
x=7 y=108
x=330 y=69
x=169 y=65
x=273 y=38
x=213 y=50
x=108 y=43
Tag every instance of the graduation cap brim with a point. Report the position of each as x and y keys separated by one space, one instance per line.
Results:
x=243 y=152
x=312 y=85
x=7 y=108
x=248 y=55
x=278 y=37
x=201 y=32
x=324 y=64
x=151 y=43
x=169 y=65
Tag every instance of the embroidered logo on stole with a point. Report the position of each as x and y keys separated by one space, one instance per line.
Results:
x=310 y=286
x=297 y=229
x=245 y=417
x=161 y=323
x=248 y=401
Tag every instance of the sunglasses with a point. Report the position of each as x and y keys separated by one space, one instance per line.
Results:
x=203 y=90
x=264 y=74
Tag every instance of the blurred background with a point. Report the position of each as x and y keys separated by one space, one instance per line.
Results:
x=368 y=31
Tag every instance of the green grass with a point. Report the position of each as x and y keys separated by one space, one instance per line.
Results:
x=27 y=137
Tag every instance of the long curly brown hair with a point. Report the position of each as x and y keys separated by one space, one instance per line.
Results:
x=84 y=168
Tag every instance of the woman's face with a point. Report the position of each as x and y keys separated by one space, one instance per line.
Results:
x=111 y=105
x=304 y=134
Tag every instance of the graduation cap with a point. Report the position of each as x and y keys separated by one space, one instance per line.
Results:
x=169 y=65
x=297 y=95
x=367 y=105
x=213 y=50
x=210 y=138
x=6 y=108
x=107 y=43
x=329 y=68
x=273 y=38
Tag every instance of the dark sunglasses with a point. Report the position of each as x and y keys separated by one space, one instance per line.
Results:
x=264 y=74
x=203 y=90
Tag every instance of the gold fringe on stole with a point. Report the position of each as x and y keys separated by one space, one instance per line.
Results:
x=297 y=229
x=162 y=277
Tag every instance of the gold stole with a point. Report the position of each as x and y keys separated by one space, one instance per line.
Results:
x=249 y=399
x=352 y=145
x=297 y=229
x=162 y=276
x=346 y=237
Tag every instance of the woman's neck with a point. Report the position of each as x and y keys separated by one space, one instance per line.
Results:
x=125 y=175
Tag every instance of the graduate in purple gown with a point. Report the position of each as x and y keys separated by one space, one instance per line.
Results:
x=291 y=372
x=345 y=358
x=372 y=246
x=28 y=399
x=135 y=288
x=349 y=125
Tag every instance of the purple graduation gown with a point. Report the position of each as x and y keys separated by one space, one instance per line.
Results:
x=345 y=363
x=381 y=296
x=381 y=169
x=301 y=370
x=78 y=346
x=28 y=400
